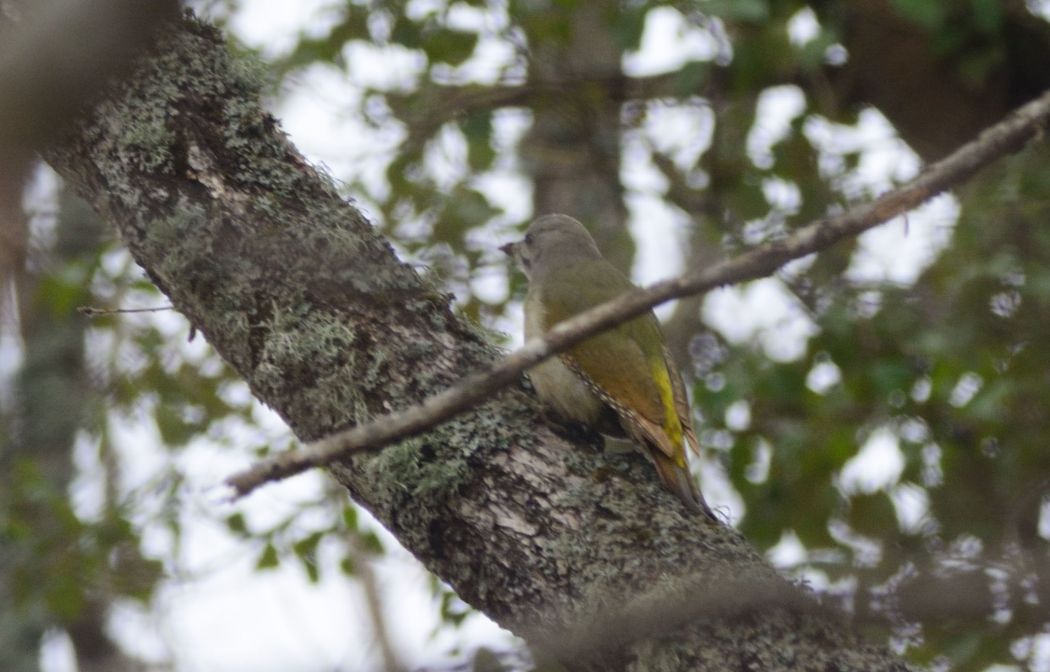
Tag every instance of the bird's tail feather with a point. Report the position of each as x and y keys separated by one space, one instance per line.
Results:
x=678 y=480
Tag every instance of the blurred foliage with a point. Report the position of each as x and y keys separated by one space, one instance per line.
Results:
x=70 y=550
x=56 y=562
x=60 y=564
x=948 y=370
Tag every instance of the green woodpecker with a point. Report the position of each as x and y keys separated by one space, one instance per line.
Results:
x=621 y=382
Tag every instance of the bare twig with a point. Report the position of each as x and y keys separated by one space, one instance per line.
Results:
x=445 y=102
x=373 y=600
x=91 y=311
x=1007 y=136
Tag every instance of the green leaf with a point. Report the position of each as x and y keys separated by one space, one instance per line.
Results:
x=62 y=294
x=477 y=129
x=350 y=517
x=64 y=595
x=453 y=610
x=754 y=11
x=890 y=375
x=406 y=32
x=465 y=209
x=268 y=558
x=329 y=48
x=629 y=24
x=174 y=431
x=306 y=550
x=929 y=14
x=370 y=542
x=447 y=45
x=235 y=523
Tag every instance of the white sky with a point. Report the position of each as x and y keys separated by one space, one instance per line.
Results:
x=226 y=617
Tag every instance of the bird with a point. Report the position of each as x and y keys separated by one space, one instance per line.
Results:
x=620 y=382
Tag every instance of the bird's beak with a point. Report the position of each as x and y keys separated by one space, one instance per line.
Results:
x=507 y=249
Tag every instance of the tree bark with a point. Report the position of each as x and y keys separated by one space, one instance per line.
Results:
x=288 y=282
x=572 y=150
x=52 y=393
x=927 y=94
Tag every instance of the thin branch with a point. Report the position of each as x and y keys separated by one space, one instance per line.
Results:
x=91 y=311
x=448 y=101
x=373 y=600
x=436 y=104
x=1009 y=135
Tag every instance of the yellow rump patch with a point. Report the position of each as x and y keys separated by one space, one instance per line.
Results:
x=672 y=426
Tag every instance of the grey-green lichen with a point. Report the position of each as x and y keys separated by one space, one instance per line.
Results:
x=421 y=471
x=147 y=143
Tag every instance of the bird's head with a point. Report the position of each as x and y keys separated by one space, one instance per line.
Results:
x=550 y=242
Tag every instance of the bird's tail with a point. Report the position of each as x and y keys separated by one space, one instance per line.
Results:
x=678 y=480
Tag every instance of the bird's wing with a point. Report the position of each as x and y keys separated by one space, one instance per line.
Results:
x=624 y=366
x=681 y=401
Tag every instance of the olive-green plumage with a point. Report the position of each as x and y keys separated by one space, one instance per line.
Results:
x=621 y=381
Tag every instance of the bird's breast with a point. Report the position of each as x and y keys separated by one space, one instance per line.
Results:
x=556 y=384
x=566 y=392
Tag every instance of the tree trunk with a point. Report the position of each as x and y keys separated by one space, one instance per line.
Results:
x=290 y=284
x=572 y=150
x=51 y=394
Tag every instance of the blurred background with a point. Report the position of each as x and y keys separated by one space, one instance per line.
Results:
x=869 y=416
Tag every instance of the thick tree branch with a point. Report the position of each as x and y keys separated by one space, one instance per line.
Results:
x=1007 y=136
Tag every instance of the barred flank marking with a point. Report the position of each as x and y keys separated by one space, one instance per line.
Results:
x=646 y=432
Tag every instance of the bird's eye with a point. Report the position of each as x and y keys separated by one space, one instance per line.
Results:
x=528 y=239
